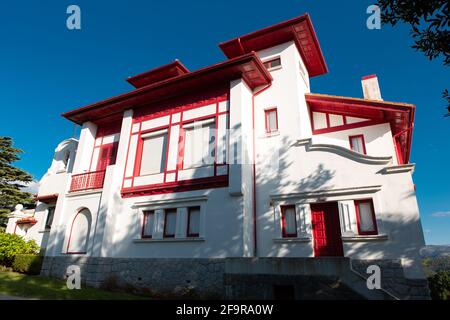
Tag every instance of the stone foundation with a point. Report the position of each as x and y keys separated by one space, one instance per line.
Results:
x=240 y=278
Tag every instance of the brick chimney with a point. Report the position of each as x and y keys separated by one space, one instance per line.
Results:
x=371 y=89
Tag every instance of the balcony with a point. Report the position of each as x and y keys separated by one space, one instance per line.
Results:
x=87 y=181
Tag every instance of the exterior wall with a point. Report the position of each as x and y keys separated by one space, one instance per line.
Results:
x=378 y=139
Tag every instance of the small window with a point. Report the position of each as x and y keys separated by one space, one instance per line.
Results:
x=288 y=222
x=357 y=144
x=153 y=153
x=193 y=224
x=170 y=222
x=50 y=215
x=272 y=64
x=271 y=120
x=148 y=223
x=365 y=217
x=107 y=156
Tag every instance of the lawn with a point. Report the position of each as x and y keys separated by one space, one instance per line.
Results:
x=16 y=284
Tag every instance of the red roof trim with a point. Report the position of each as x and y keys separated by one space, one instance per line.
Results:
x=155 y=75
x=30 y=220
x=47 y=198
x=299 y=29
x=248 y=67
x=399 y=115
x=370 y=76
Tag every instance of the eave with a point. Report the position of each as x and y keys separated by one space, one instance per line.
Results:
x=399 y=115
x=158 y=74
x=299 y=29
x=248 y=67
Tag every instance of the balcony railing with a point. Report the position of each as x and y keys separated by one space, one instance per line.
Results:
x=87 y=181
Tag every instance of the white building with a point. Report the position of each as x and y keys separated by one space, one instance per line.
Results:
x=35 y=224
x=182 y=180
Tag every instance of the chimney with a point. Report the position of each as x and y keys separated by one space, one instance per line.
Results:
x=370 y=87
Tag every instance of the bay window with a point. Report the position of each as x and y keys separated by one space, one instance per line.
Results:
x=365 y=217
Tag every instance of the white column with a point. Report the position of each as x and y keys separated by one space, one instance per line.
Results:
x=85 y=147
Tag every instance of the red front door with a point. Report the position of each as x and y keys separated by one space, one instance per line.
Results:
x=326 y=229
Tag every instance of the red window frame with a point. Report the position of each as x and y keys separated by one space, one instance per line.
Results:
x=358 y=220
x=144 y=222
x=188 y=234
x=283 y=222
x=166 y=211
x=268 y=63
x=362 y=139
x=266 y=116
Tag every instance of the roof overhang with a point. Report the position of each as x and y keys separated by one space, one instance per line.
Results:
x=299 y=29
x=248 y=67
x=30 y=220
x=50 y=198
x=399 y=115
x=164 y=72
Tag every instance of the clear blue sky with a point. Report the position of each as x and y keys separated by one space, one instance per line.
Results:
x=46 y=69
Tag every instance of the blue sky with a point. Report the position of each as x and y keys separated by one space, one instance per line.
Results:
x=46 y=69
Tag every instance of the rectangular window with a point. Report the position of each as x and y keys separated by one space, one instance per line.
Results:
x=107 y=156
x=193 y=224
x=149 y=222
x=200 y=143
x=288 y=222
x=153 y=152
x=170 y=222
x=272 y=64
x=357 y=143
x=365 y=217
x=271 y=120
x=50 y=215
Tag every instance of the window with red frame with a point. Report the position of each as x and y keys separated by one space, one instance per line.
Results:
x=148 y=223
x=365 y=217
x=271 y=116
x=357 y=143
x=193 y=224
x=272 y=64
x=288 y=222
x=107 y=156
x=170 y=222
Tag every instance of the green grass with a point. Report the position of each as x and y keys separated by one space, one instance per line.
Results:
x=16 y=284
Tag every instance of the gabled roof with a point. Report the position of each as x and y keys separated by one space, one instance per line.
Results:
x=399 y=115
x=164 y=72
x=299 y=30
x=248 y=67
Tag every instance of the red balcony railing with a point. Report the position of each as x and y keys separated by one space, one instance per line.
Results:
x=87 y=181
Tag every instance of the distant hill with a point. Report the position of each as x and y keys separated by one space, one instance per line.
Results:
x=435 y=251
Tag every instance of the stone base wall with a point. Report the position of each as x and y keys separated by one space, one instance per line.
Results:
x=235 y=278
x=393 y=279
x=161 y=278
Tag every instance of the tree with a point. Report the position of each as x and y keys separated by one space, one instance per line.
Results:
x=12 y=179
x=429 y=21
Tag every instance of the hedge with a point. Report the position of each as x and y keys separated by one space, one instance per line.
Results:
x=28 y=263
x=12 y=245
x=440 y=285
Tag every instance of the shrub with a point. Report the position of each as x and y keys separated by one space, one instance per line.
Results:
x=12 y=245
x=440 y=285
x=28 y=263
